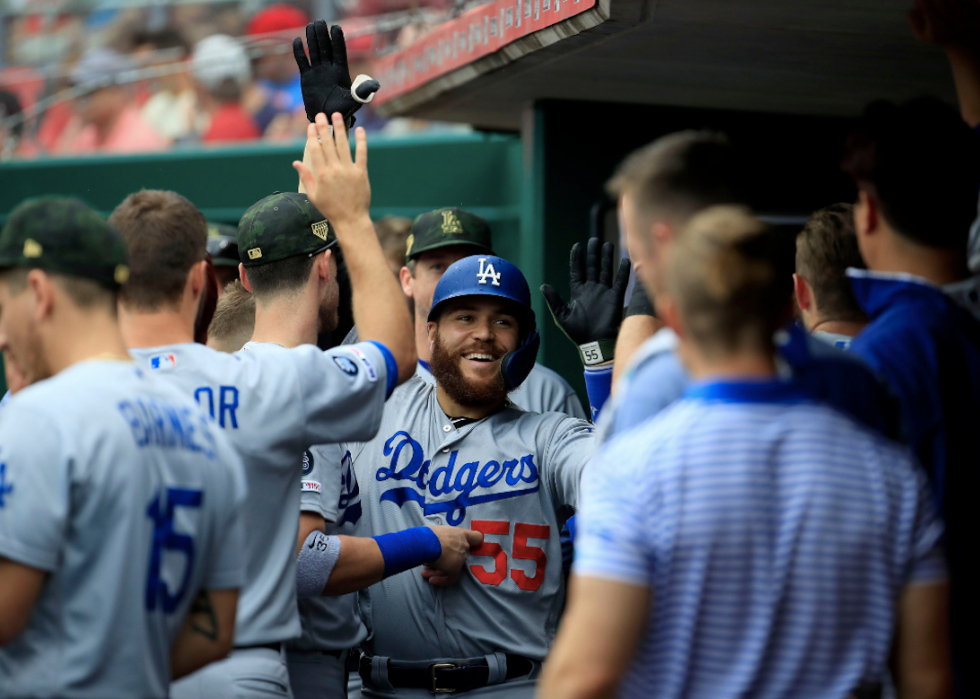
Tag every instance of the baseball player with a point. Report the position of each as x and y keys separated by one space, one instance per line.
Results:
x=120 y=502
x=223 y=248
x=280 y=393
x=331 y=500
x=459 y=452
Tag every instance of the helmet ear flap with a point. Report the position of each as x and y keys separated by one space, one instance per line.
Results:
x=516 y=365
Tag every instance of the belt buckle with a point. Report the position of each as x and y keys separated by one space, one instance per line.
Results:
x=432 y=677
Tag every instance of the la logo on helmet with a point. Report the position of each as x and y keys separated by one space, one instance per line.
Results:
x=488 y=272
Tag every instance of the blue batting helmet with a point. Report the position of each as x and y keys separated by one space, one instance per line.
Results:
x=489 y=275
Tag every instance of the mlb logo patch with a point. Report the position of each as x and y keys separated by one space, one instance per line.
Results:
x=346 y=365
x=163 y=361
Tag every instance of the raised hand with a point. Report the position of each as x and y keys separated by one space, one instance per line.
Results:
x=592 y=317
x=325 y=77
x=456 y=546
x=336 y=184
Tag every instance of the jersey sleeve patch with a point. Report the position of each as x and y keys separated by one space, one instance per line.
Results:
x=307 y=462
x=311 y=487
x=346 y=365
x=372 y=373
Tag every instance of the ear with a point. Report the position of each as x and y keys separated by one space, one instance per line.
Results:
x=432 y=327
x=802 y=291
x=198 y=278
x=405 y=277
x=662 y=233
x=40 y=285
x=244 y=277
x=866 y=214
x=323 y=266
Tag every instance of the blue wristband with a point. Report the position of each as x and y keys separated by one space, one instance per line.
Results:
x=598 y=384
x=408 y=549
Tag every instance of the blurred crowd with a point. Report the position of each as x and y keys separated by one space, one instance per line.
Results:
x=150 y=79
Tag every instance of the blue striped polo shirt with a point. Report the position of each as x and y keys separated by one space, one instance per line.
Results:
x=775 y=533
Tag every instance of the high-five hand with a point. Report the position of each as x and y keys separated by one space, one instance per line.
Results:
x=325 y=77
x=336 y=184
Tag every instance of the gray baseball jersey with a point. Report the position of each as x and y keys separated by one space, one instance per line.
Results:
x=274 y=403
x=118 y=486
x=514 y=476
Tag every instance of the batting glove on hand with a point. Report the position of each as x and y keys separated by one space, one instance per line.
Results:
x=640 y=302
x=592 y=318
x=325 y=77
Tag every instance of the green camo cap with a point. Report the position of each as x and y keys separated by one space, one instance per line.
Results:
x=444 y=227
x=284 y=224
x=66 y=236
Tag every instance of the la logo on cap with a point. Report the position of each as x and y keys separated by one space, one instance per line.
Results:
x=450 y=223
x=488 y=272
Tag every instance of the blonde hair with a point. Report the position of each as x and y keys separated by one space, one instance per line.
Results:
x=731 y=280
x=234 y=319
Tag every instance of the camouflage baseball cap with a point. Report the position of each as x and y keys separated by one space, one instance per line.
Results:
x=444 y=227
x=284 y=224
x=66 y=236
x=223 y=244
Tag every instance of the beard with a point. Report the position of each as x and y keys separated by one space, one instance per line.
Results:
x=444 y=365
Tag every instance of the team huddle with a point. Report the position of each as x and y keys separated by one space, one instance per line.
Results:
x=204 y=508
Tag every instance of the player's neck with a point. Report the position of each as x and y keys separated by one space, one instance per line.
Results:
x=749 y=365
x=286 y=320
x=454 y=409
x=89 y=337
x=156 y=329
x=838 y=327
x=422 y=339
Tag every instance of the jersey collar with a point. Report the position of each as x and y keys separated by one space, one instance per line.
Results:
x=877 y=292
x=746 y=391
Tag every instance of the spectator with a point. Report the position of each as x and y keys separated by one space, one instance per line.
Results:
x=10 y=132
x=749 y=541
x=222 y=71
x=917 y=169
x=107 y=119
x=273 y=29
x=171 y=109
x=825 y=249
x=393 y=232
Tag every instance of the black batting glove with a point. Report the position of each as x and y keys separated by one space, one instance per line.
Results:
x=640 y=302
x=592 y=318
x=325 y=77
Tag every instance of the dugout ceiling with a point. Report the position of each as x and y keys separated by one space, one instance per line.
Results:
x=818 y=57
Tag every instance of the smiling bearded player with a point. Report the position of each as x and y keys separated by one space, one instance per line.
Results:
x=460 y=453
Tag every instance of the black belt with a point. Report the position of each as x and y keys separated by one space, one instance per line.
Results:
x=277 y=647
x=447 y=678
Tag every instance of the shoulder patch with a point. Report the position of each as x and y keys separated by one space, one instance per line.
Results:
x=372 y=373
x=307 y=462
x=346 y=365
x=163 y=361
